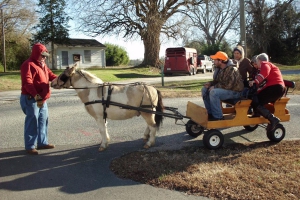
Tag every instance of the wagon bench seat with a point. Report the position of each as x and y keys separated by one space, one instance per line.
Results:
x=236 y=115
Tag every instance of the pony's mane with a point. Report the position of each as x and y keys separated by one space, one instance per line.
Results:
x=91 y=77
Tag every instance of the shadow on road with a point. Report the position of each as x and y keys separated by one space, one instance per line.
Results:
x=78 y=169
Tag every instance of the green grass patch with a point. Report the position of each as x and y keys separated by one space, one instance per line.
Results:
x=182 y=85
x=286 y=67
x=12 y=80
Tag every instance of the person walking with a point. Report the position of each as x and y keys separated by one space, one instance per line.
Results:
x=35 y=90
x=227 y=84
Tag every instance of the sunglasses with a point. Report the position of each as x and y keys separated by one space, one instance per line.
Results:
x=44 y=56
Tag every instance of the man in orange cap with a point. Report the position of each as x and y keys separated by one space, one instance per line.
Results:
x=227 y=84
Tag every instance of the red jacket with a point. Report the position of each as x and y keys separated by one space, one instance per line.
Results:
x=35 y=77
x=269 y=75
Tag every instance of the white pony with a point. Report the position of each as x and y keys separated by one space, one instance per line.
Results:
x=114 y=101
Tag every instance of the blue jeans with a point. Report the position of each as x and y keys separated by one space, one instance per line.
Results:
x=36 y=123
x=212 y=100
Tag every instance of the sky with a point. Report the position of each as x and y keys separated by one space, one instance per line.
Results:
x=134 y=48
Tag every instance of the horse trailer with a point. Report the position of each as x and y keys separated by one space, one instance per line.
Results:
x=180 y=60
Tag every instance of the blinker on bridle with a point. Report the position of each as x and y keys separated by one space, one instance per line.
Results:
x=64 y=78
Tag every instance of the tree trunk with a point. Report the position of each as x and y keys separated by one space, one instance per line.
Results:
x=152 y=46
x=52 y=56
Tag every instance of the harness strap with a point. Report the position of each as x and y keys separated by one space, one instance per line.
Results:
x=150 y=97
x=106 y=102
x=123 y=106
x=110 y=89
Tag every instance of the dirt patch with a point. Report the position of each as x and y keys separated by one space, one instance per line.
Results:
x=179 y=94
x=263 y=170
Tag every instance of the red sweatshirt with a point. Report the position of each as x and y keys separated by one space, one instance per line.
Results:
x=35 y=76
x=269 y=75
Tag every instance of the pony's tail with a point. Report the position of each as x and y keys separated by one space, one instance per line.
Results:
x=159 y=108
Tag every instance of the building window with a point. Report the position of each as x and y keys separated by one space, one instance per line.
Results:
x=87 y=56
x=64 y=58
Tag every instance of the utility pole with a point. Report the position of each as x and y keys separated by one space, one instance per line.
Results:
x=243 y=26
x=3 y=42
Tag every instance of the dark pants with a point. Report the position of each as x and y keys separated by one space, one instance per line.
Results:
x=267 y=95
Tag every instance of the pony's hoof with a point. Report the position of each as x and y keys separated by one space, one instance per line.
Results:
x=145 y=140
x=146 y=146
x=101 y=149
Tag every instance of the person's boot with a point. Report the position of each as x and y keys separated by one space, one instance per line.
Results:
x=255 y=113
x=273 y=122
x=268 y=115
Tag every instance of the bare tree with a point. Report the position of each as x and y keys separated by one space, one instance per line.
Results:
x=133 y=19
x=260 y=17
x=215 y=19
x=18 y=19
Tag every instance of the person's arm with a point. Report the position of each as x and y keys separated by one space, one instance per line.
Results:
x=250 y=68
x=52 y=76
x=263 y=74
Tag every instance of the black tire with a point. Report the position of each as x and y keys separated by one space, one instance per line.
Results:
x=204 y=70
x=277 y=134
x=193 y=129
x=251 y=127
x=213 y=139
x=191 y=71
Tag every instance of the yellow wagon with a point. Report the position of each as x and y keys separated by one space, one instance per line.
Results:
x=236 y=116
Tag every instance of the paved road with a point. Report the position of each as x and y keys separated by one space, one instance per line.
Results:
x=75 y=169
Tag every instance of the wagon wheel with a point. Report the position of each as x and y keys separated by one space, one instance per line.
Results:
x=277 y=134
x=193 y=129
x=251 y=127
x=213 y=139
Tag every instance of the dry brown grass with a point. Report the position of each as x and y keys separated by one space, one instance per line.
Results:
x=239 y=171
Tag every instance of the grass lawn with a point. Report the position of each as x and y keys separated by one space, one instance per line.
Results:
x=12 y=80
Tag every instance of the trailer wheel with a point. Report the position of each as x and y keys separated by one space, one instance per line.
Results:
x=251 y=127
x=193 y=129
x=204 y=69
x=213 y=139
x=191 y=71
x=277 y=134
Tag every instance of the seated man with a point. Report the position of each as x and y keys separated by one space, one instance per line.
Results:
x=227 y=84
x=270 y=86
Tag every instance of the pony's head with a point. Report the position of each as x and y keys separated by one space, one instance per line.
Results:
x=64 y=79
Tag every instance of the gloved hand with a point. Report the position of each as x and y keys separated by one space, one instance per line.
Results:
x=39 y=101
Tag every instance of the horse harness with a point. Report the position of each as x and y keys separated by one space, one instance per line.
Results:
x=107 y=102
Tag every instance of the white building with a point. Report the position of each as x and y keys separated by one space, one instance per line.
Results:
x=86 y=52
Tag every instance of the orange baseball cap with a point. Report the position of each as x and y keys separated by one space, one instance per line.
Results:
x=220 y=55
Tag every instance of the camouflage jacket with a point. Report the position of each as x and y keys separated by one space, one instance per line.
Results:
x=228 y=78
